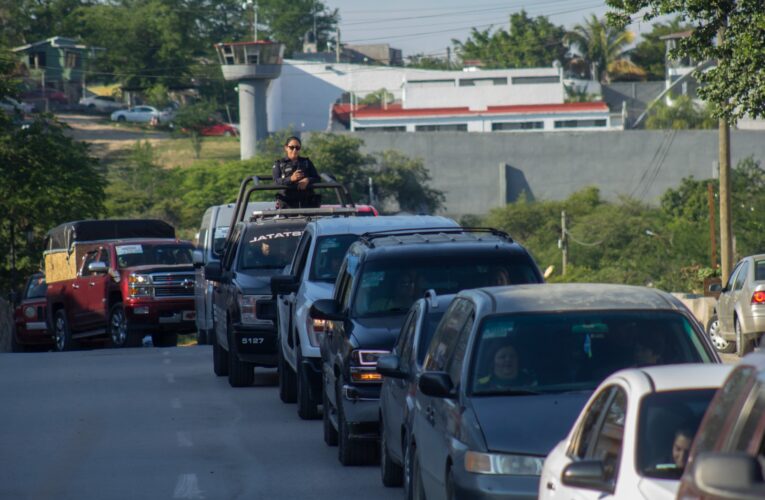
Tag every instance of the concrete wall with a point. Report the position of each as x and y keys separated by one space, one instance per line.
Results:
x=480 y=171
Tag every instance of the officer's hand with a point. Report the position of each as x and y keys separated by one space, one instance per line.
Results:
x=297 y=175
x=303 y=184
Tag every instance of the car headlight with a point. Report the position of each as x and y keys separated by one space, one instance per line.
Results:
x=503 y=464
x=247 y=309
x=364 y=365
x=139 y=279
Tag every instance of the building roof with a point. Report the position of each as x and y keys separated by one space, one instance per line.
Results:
x=56 y=41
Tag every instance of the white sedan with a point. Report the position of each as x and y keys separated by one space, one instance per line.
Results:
x=141 y=114
x=101 y=103
x=632 y=438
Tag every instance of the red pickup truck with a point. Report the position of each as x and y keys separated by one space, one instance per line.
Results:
x=120 y=280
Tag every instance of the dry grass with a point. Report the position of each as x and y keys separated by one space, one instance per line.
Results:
x=178 y=152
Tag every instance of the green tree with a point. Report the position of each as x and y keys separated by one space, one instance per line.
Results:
x=191 y=119
x=683 y=113
x=48 y=178
x=422 y=61
x=288 y=22
x=734 y=86
x=599 y=44
x=531 y=42
x=650 y=52
x=405 y=181
x=377 y=98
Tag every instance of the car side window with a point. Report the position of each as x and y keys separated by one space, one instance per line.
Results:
x=302 y=257
x=229 y=251
x=346 y=283
x=721 y=407
x=406 y=337
x=752 y=411
x=587 y=430
x=105 y=258
x=91 y=256
x=741 y=277
x=457 y=358
x=732 y=277
x=607 y=446
x=444 y=340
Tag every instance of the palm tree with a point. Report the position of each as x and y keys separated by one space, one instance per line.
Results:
x=599 y=44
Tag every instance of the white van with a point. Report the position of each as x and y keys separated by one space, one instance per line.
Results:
x=210 y=240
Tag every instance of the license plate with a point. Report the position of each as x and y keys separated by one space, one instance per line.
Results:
x=189 y=315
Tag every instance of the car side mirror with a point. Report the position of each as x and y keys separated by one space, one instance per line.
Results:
x=390 y=366
x=587 y=474
x=327 y=309
x=715 y=287
x=728 y=475
x=436 y=384
x=98 y=267
x=213 y=271
x=284 y=284
x=197 y=258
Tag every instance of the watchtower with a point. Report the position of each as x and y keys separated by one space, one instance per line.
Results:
x=251 y=65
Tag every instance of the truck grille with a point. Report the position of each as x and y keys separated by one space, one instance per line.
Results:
x=173 y=285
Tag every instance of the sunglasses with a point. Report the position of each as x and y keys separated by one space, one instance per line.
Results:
x=294 y=148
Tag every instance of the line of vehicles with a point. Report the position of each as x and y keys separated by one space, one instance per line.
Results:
x=439 y=352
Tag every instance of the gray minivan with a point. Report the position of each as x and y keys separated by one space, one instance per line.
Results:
x=210 y=240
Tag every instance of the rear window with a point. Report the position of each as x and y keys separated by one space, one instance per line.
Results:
x=391 y=286
x=141 y=254
x=328 y=256
x=264 y=248
x=575 y=351
x=36 y=288
x=667 y=425
x=759 y=270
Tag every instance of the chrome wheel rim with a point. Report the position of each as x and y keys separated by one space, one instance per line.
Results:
x=119 y=328
x=59 y=333
x=714 y=335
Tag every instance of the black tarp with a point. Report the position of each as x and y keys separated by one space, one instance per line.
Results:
x=63 y=236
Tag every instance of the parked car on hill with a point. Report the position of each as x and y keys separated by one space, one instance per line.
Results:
x=220 y=129
x=739 y=318
x=142 y=114
x=101 y=103
x=311 y=277
x=52 y=95
x=381 y=276
x=727 y=459
x=510 y=368
x=11 y=105
x=633 y=437
x=30 y=328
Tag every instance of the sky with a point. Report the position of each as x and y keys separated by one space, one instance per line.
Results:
x=428 y=26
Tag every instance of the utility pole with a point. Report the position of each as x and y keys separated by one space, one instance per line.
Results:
x=254 y=6
x=337 y=46
x=563 y=242
x=726 y=233
x=712 y=238
x=448 y=58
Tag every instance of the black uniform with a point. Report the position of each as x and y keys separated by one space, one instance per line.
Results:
x=292 y=197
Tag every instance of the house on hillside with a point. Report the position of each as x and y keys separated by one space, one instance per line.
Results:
x=56 y=63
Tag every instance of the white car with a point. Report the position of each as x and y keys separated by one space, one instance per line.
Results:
x=103 y=104
x=142 y=114
x=9 y=105
x=632 y=438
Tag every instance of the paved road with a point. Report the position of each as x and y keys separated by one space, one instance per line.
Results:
x=154 y=424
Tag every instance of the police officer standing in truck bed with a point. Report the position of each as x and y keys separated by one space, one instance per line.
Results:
x=298 y=175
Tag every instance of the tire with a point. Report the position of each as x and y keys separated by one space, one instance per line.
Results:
x=409 y=471
x=202 y=337
x=351 y=451
x=418 y=491
x=307 y=408
x=61 y=332
x=287 y=382
x=713 y=332
x=450 y=488
x=220 y=360
x=330 y=433
x=391 y=473
x=744 y=345
x=118 y=329
x=121 y=119
x=164 y=339
x=240 y=374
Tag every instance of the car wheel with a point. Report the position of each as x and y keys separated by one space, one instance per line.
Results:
x=713 y=331
x=227 y=134
x=450 y=488
x=118 y=330
x=351 y=451
x=164 y=339
x=220 y=360
x=202 y=337
x=61 y=332
x=409 y=471
x=287 y=382
x=392 y=474
x=418 y=490
x=307 y=408
x=121 y=119
x=240 y=374
x=330 y=433
x=744 y=345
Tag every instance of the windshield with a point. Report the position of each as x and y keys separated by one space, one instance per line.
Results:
x=667 y=425
x=142 y=254
x=328 y=256
x=429 y=324
x=36 y=287
x=575 y=351
x=390 y=286
x=264 y=248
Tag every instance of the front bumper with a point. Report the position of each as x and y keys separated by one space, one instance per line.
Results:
x=361 y=407
x=254 y=344
x=494 y=487
x=161 y=316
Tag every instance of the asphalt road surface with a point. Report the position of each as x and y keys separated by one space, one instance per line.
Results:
x=153 y=424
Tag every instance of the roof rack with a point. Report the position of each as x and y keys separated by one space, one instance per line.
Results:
x=257 y=183
x=299 y=212
x=368 y=238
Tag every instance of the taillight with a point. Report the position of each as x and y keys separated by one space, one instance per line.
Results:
x=758 y=298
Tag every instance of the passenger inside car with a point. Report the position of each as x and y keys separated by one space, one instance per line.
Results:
x=504 y=369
